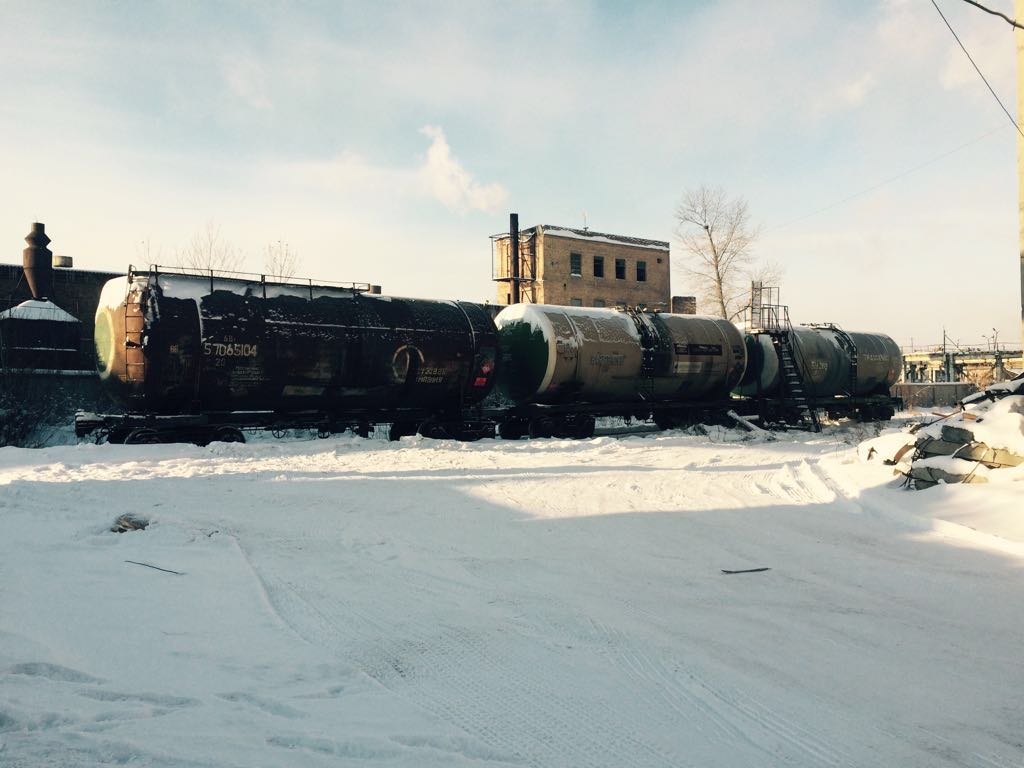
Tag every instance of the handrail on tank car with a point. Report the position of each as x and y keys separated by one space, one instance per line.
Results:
x=155 y=270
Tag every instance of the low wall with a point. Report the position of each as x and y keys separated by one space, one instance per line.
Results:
x=933 y=394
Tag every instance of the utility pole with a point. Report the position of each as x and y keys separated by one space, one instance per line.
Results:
x=1018 y=7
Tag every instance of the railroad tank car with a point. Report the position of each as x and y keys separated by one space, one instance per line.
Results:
x=557 y=355
x=187 y=343
x=825 y=356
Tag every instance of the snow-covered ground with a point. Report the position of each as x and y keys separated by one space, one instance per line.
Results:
x=540 y=603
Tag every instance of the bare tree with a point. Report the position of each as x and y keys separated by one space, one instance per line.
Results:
x=716 y=234
x=208 y=250
x=279 y=260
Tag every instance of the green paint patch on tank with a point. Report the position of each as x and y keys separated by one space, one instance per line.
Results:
x=524 y=360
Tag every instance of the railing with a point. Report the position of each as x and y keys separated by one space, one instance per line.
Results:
x=155 y=271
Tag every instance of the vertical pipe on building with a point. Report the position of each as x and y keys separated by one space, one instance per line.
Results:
x=37 y=262
x=513 y=249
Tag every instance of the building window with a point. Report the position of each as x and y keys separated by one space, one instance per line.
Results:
x=599 y=266
x=508 y=298
x=641 y=271
x=620 y=269
x=599 y=302
x=575 y=264
x=575 y=302
x=620 y=303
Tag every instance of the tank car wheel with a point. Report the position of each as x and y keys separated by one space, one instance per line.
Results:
x=118 y=436
x=863 y=414
x=142 y=436
x=577 y=427
x=664 y=421
x=513 y=429
x=542 y=426
x=434 y=430
x=228 y=435
x=279 y=432
x=400 y=429
x=585 y=428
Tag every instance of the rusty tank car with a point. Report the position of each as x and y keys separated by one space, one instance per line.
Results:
x=234 y=352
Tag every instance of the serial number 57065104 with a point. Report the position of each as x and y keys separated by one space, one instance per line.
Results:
x=215 y=349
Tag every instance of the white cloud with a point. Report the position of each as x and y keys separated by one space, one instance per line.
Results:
x=351 y=173
x=853 y=94
x=993 y=57
x=245 y=79
x=438 y=175
x=443 y=178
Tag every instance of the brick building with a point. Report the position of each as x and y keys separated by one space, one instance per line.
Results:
x=577 y=267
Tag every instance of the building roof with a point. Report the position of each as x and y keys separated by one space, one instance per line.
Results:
x=17 y=268
x=600 y=237
x=38 y=310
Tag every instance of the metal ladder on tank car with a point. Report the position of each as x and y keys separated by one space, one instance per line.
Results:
x=134 y=354
x=850 y=347
x=777 y=325
x=645 y=386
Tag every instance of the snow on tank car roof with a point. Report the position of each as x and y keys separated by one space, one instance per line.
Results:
x=34 y=309
x=196 y=287
x=536 y=316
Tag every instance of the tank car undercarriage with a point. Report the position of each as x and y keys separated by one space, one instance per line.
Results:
x=572 y=420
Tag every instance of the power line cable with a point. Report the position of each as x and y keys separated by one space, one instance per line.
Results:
x=1011 y=22
x=881 y=184
x=976 y=69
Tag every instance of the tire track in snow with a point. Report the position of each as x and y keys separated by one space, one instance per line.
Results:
x=734 y=717
x=534 y=717
x=489 y=684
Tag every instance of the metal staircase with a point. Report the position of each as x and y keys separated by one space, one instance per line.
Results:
x=768 y=316
x=792 y=379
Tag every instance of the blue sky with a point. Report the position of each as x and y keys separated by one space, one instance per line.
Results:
x=386 y=141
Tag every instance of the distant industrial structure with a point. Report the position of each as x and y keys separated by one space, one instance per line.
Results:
x=977 y=366
x=548 y=264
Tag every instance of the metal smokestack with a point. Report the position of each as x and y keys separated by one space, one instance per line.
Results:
x=513 y=247
x=37 y=261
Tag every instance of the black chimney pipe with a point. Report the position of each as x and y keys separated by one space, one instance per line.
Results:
x=37 y=261
x=513 y=245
